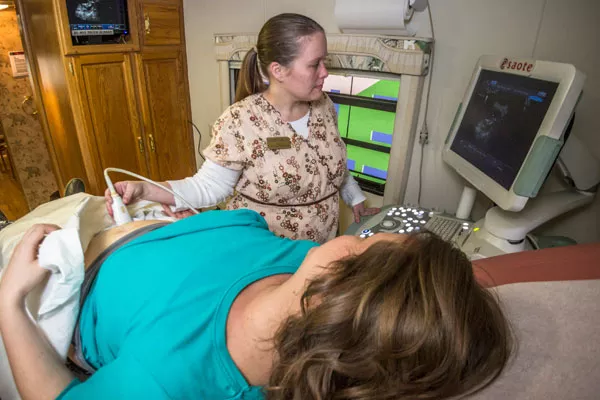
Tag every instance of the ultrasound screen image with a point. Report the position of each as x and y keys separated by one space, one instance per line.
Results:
x=86 y=12
x=501 y=121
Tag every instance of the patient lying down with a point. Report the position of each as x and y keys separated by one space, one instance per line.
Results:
x=217 y=307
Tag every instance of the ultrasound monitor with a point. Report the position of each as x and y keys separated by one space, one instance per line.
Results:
x=97 y=21
x=510 y=126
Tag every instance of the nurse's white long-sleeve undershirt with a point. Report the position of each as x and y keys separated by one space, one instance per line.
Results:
x=213 y=183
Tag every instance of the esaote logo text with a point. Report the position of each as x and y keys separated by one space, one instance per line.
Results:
x=516 y=65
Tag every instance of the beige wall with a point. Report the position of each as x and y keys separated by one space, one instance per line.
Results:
x=464 y=29
x=23 y=130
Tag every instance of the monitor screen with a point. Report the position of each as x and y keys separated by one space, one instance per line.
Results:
x=501 y=121
x=97 y=17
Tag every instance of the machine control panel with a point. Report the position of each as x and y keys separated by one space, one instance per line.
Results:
x=410 y=219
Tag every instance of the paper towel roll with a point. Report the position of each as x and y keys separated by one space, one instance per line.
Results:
x=386 y=17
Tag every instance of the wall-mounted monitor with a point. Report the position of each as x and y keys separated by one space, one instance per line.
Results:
x=97 y=21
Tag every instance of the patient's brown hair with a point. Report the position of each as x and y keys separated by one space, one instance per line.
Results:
x=399 y=321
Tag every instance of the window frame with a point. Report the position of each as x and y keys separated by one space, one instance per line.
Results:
x=407 y=59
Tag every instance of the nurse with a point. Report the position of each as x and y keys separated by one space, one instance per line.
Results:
x=278 y=149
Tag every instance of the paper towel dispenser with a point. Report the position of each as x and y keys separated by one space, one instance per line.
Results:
x=388 y=17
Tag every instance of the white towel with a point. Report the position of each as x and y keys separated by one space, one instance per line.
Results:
x=62 y=254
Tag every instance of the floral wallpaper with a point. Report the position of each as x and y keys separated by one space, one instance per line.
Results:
x=23 y=131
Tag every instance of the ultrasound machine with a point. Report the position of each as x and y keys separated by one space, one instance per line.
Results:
x=508 y=132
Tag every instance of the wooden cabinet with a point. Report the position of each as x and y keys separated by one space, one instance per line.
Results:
x=162 y=23
x=109 y=111
x=165 y=112
x=128 y=103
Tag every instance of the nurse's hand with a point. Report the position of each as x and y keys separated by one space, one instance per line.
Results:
x=177 y=214
x=23 y=272
x=130 y=192
x=361 y=211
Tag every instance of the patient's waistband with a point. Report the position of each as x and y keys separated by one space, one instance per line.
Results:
x=88 y=281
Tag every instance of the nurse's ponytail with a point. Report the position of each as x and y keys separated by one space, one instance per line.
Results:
x=251 y=79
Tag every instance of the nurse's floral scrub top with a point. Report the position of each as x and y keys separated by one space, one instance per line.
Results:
x=295 y=189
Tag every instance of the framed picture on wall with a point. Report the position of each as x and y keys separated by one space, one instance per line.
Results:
x=18 y=64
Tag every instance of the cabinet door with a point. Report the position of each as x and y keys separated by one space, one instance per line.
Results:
x=162 y=23
x=112 y=136
x=164 y=96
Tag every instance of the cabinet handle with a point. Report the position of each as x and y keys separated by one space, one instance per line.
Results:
x=140 y=144
x=147 y=23
x=152 y=146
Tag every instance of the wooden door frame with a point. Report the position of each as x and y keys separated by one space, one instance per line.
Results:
x=34 y=72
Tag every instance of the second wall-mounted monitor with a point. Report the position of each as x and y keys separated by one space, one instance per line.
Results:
x=510 y=126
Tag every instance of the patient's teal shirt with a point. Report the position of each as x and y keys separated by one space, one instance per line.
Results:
x=154 y=323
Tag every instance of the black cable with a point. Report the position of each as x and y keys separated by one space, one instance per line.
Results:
x=424 y=135
x=199 y=139
x=421 y=174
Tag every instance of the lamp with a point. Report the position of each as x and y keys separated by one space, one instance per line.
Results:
x=6 y=4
